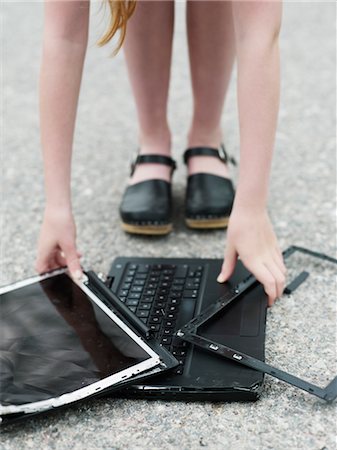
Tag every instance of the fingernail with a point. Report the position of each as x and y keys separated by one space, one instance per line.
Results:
x=62 y=254
x=78 y=275
x=220 y=278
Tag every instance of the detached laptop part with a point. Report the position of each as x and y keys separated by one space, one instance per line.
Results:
x=59 y=343
x=191 y=333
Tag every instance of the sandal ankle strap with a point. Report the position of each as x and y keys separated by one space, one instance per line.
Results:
x=208 y=151
x=154 y=159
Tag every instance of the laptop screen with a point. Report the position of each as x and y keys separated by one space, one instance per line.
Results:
x=54 y=339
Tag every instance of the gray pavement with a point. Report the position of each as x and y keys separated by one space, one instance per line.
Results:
x=301 y=329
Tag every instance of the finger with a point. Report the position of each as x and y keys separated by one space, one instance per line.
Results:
x=228 y=265
x=279 y=277
x=265 y=277
x=42 y=266
x=79 y=254
x=45 y=258
x=53 y=263
x=72 y=261
x=278 y=259
x=60 y=258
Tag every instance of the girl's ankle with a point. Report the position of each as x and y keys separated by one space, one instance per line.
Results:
x=158 y=143
x=200 y=136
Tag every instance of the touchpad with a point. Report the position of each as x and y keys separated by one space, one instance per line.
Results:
x=225 y=323
x=242 y=318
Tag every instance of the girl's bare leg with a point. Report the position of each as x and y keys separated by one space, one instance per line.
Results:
x=148 y=48
x=211 y=49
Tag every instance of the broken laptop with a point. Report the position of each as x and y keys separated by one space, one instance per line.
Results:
x=166 y=293
x=170 y=294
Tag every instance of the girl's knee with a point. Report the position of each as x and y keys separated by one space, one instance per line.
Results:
x=67 y=19
x=257 y=21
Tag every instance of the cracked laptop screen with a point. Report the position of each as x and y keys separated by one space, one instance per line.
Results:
x=54 y=340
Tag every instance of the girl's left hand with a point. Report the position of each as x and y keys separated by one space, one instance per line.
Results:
x=251 y=237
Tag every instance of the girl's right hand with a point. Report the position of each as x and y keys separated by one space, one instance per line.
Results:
x=57 y=243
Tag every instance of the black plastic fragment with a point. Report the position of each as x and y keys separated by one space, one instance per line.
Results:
x=296 y=282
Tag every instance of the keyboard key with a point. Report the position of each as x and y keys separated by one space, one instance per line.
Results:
x=143 y=313
x=133 y=266
x=137 y=289
x=143 y=268
x=155 y=273
x=141 y=276
x=135 y=295
x=132 y=308
x=147 y=298
x=139 y=282
x=145 y=306
x=174 y=301
x=175 y=294
x=169 y=323
x=168 y=272
x=181 y=271
x=163 y=292
x=178 y=287
x=167 y=278
x=191 y=285
x=153 y=279
x=122 y=299
x=178 y=281
x=166 y=340
x=190 y=293
x=160 y=304
x=154 y=327
x=123 y=292
x=128 y=279
x=132 y=302
x=131 y=273
x=156 y=319
x=143 y=319
x=149 y=292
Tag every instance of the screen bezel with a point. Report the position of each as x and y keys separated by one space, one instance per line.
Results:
x=79 y=394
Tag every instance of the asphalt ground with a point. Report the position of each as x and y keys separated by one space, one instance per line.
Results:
x=301 y=328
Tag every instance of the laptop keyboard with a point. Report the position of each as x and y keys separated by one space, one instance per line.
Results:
x=155 y=292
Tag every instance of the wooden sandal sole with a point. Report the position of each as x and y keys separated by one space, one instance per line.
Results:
x=148 y=230
x=207 y=224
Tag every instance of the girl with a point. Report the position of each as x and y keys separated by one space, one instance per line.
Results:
x=214 y=29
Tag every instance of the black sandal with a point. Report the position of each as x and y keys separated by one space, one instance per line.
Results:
x=146 y=207
x=209 y=198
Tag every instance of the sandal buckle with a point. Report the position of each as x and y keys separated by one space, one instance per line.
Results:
x=225 y=157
